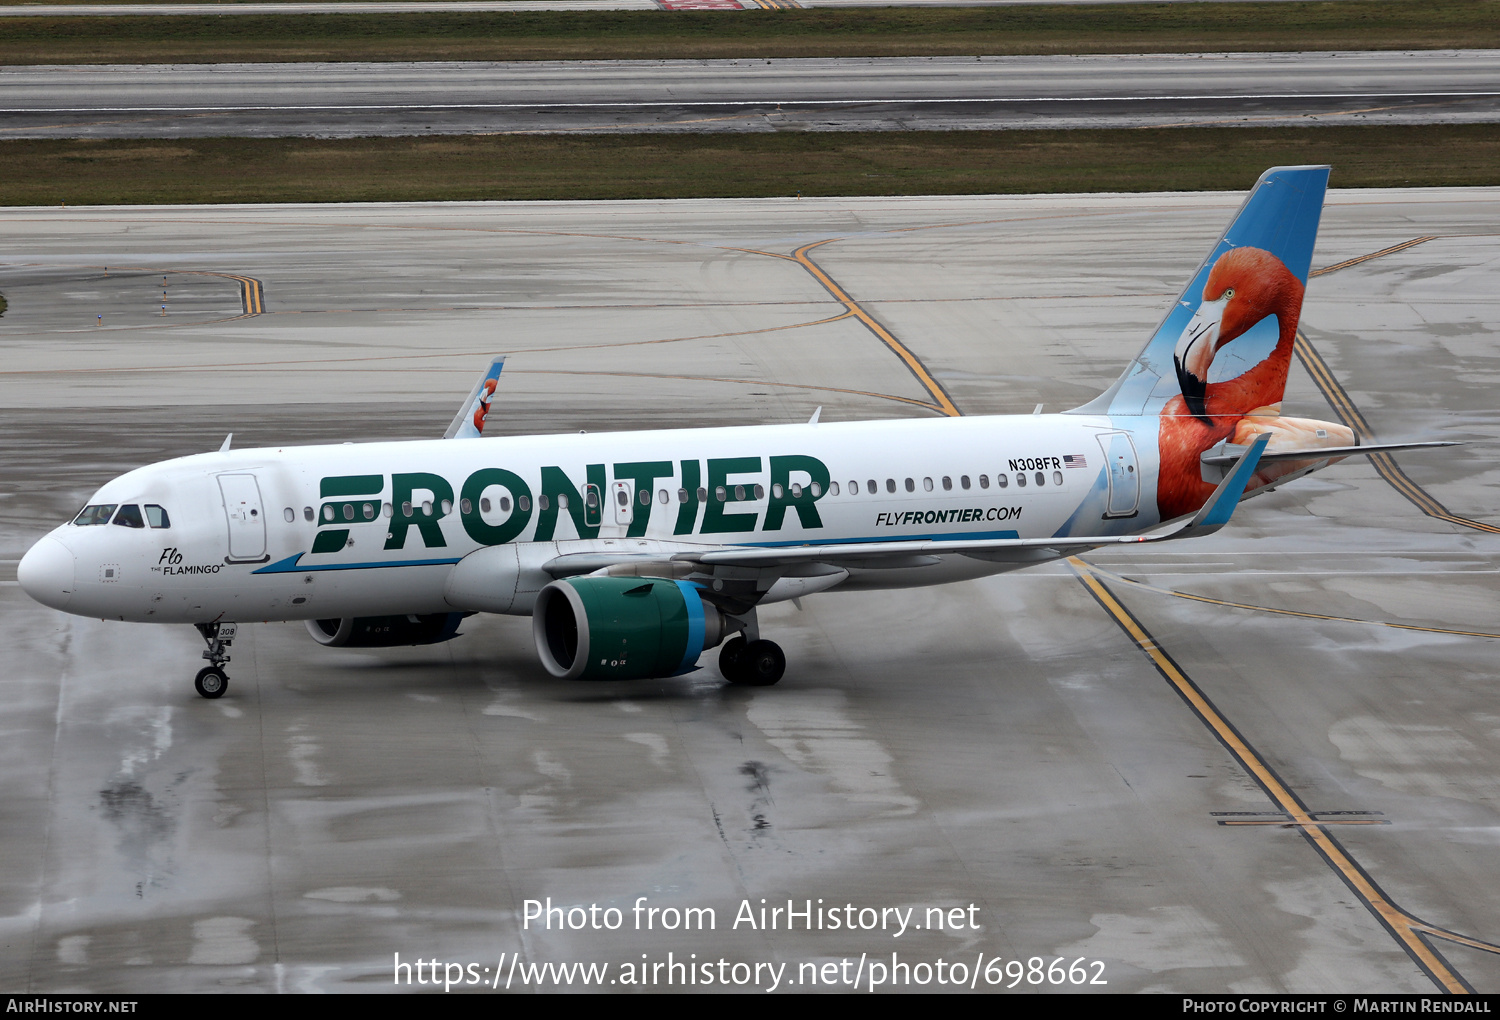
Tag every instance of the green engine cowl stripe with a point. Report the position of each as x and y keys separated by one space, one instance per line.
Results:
x=637 y=627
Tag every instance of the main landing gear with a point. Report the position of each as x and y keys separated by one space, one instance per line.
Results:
x=212 y=681
x=751 y=663
x=747 y=661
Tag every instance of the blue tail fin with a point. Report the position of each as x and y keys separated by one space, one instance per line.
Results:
x=1267 y=247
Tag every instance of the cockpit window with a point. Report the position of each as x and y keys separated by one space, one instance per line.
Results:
x=130 y=516
x=99 y=513
x=157 y=517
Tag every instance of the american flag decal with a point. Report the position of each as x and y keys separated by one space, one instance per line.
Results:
x=1074 y=460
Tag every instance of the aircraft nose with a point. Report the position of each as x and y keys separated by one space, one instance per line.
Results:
x=47 y=573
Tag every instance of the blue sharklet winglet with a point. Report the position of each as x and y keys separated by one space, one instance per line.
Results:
x=1217 y=509
x=470 y=420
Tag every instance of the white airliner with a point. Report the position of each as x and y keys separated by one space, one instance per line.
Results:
x=635 y=552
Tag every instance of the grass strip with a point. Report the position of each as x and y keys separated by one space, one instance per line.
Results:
x=534 y=35
x=495 y=167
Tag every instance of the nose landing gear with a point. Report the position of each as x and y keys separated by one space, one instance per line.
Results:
x=212 y=681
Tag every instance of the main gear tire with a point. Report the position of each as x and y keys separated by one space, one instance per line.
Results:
x=765 y=663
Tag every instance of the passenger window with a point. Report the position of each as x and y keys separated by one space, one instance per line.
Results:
x=720 y=493
x=1020 y=479
x=645 y=495
x=817 y=490
x=98 y=514
x=465 y=507
x=984 y=481
x=664 y=496
x=760 y=492
x=964 y=481
x=369 y=511
x=484 y=504
x=776 y=490
x=796 y=490
x=927 y=485
x=911 y=486
x=130 y=516
x=890 y=485
x=1057 y=478
x=307 y=513
x=543 y=503
x=590 y=497
x=328 y=511
x=1041 y=479
x=524 y=502
x=703 y=495
x=948 y=484
x=447 y=506
x=385 y=508
x=833 y=489
x=682 y=495
x=562 y=500
x=739 y=493
x=348 y=511
x=1001 y=481
x=290 y=515
x=405 y=510
x=505 y=505
x=156 y=516
x=873 y=487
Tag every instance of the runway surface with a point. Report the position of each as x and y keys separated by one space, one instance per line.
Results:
x=334 y=100
x=1047 y=746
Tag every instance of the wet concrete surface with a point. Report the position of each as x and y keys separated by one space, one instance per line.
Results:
x=1001 y=743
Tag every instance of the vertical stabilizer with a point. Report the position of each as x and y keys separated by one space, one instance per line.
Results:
x=1237 y=312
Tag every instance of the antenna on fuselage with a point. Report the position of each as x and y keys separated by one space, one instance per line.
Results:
x=814 y=419
x=227 y=440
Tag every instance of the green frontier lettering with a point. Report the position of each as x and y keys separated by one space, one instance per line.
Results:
x=555 y=485
x=644 y=474
x=329 y=514
x=473 y=519
x=715 y=520
x=406 y=491
x=804 y=501
x=687 y=513
x=416 y=488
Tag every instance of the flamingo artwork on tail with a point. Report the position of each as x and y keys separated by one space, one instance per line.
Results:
x=1211 y=379
x=1245 y=287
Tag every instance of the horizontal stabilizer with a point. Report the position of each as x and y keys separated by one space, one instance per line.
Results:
x=1227 y=453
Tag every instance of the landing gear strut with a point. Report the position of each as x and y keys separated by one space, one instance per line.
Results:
x=212 y=681
x=751 y=663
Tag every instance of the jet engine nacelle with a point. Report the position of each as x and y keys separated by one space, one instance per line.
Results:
x=385 y=631
x=622 y=628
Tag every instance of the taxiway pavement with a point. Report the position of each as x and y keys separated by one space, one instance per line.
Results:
x=844 y=94
x=1003 y=743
